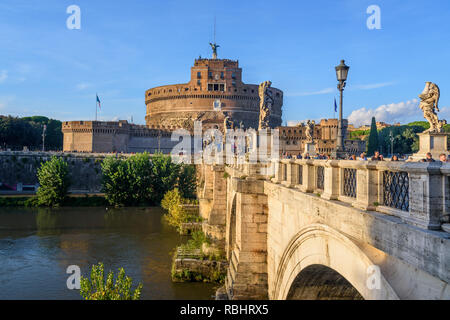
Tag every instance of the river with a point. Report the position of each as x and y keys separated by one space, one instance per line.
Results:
x=37 y=246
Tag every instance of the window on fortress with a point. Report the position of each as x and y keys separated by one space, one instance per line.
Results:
x=199 y=82
x=221 y=75
x=233 y=75
x=199 y=75
x=210 y=75
x=216 y=87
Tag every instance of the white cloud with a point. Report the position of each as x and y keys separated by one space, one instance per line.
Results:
x=83 y=86
x=371 y=86
x=332 y=90
x=395 y=112
x=3 y=75
x=311 y=93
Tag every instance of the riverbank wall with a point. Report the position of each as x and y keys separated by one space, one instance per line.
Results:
x=18 y=171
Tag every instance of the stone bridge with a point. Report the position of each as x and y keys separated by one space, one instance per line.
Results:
x=329 y=229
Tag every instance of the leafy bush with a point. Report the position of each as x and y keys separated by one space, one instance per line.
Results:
x=172 y=202
x=187 y=182
x=164 y=176
x=140 y=179
x=97 y=289
x=115 y=181
x=54 y=182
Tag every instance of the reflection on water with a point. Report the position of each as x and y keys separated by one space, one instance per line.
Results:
x=37 y=246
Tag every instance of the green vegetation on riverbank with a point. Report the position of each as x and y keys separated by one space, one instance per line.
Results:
x=99 y=288
x=141 y=179
x=197 y=260
x=138 y=180
x=178 y=212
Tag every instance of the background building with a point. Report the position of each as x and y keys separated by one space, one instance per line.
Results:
x=114 y=136
x=293 y=139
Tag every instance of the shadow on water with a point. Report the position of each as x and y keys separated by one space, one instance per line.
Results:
x=37 y=245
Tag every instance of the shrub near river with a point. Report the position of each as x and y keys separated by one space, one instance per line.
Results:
x=141 y=179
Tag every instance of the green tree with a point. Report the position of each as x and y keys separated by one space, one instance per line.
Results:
x=373 y=138
x=54 y=182
x=164 y=176
x=139 y=168
x=187 y=182
x=115 y=179
x=97 y=288
x=172 y=202
x=19 y=132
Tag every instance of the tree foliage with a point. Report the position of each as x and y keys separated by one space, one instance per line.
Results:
x=97 y=288
x=187 y=182
x=164 y=176
x=15 y=133
x=54 y=182
x=141 y=179
x=372 y=145
x=172 y=202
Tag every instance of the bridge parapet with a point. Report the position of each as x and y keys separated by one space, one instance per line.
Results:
x=416 y=192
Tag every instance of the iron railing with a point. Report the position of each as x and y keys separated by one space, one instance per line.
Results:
x=396 y=190
x=320 y=178
x=350 y=182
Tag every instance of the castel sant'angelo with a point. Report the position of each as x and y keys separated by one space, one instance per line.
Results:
x=217 y=97
x=215 y=92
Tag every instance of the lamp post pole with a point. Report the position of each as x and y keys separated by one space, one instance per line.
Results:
x=341 y=74
x=43 y=137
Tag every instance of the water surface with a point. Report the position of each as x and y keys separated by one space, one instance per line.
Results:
x=37 y=246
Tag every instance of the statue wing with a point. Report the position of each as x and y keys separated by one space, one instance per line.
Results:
x=438 y=94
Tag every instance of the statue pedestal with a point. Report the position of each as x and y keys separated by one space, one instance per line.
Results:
x=436 y=143
x=310 y=148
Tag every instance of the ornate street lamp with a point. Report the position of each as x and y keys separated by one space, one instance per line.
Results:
x=341 y=75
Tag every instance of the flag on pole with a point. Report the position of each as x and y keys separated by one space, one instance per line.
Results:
x=98 y=101
x=335 y=105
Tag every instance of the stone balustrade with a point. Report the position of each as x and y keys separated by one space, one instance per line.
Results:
x=416 y=192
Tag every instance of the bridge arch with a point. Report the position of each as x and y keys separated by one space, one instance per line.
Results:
x=318 y=248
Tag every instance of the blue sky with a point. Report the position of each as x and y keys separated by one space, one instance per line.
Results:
x=126 y=47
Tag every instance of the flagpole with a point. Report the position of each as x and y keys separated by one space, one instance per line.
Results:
x=96 y=95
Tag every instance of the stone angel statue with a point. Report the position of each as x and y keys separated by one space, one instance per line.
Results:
x=429 y=105
x=265 y=104
x=227 y=124
x=309 y=131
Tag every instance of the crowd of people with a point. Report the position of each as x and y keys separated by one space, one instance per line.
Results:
x=363 y=157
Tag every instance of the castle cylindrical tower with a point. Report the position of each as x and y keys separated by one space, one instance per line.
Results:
x=215 y=91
